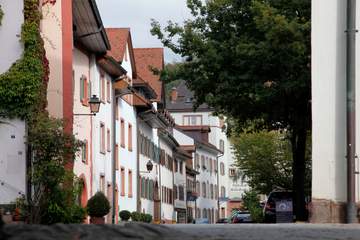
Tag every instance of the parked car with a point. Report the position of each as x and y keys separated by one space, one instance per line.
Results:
x=223 y=220
x=242 y=217
x=201 y=221
x=270 y=205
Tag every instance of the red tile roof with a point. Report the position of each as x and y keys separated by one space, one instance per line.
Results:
x=145 y=58
x=118 y=38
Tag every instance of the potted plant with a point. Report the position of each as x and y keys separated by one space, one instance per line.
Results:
x=125 y=215
x=97 y=207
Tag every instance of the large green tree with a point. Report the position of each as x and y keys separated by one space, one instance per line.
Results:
x=249 y=59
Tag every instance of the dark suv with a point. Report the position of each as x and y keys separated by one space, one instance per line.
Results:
x=270 y=205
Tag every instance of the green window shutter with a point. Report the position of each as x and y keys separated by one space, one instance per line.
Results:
x=89 y=90
x=82 y=87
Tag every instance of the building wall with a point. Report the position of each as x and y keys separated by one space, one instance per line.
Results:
x=10 y=32
x=102 y=161
x=82 y=124
x=208 y=178
x=147 y=206
x=12 y=160
x=329 y=110
x=127 y=156
x=51 y=31
x=12 y=132
x=167 y=180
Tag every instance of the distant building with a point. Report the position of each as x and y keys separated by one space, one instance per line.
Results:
x=216 y=165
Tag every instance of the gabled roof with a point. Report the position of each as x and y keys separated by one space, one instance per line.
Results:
x=184 y=100
x=118 y=38
x=145 y=59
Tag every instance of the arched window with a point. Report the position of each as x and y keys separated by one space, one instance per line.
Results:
x=222 y=169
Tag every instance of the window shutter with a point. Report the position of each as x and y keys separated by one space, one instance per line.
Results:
x=82 y=92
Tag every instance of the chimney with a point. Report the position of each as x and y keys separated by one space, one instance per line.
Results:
x=173 y=94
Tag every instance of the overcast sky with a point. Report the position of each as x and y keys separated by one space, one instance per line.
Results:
x=136 y=14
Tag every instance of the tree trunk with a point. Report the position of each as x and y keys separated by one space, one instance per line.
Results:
x=298 y=142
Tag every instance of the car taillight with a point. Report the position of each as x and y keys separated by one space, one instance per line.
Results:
x=270 y=206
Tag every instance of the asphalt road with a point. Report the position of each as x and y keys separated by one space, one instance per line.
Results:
x=182 y=232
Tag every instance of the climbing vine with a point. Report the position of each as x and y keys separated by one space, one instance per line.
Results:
x=1 y=14
x=23 y=86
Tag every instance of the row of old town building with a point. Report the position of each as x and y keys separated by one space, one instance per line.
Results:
x=146 y=151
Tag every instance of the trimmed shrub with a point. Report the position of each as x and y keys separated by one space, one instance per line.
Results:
x=125 y=215
x=98 y=205
x=147 y=218
x=136 y=217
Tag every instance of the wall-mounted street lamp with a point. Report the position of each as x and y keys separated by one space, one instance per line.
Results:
x=149 y=167
x=94 y=103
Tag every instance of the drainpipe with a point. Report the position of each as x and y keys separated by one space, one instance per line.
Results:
x=138 y=199
x=218 y=184
x=350 y=105
x=113 y=155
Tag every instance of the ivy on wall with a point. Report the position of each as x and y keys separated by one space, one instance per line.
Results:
x=1 y=14
x=23 y=86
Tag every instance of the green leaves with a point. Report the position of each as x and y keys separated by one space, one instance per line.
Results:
x=22 y=87
x=1 y=14
x=265 y=158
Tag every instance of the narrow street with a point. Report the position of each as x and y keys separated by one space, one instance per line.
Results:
x=184 y=232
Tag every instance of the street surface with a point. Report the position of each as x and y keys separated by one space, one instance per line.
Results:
x=183 y=232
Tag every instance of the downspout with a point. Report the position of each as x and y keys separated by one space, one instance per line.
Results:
x=138 y=200
x=113 y=155
x=350 y=106
x=218 y=184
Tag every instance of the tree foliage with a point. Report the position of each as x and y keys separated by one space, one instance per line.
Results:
x=265 y=158
x=252 y=203
x=248 y=60
x=55 y=187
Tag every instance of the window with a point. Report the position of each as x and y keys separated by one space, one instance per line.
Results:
x=176 y=169
x=175 y=192
x=216 y=191
x=204 y=213
x=211 y=191
x=102 y=138
x=211 y=165
x=181 y=193
x=130 y=184
x=122 y=129
x=102 y=183
x=207 y=163
x=108 y=140
x=84 y=90
x=222 y=212
x=207 y=190
x=232 y=172
x=192 y=120
x=84 y=152
x=203 y=162
x=222 y=169
x=102 y=87
x=151 y=190
x=181 y=167
x=221 y=145
x=122 y=176
x=116 y=156
x=222 y=193
x=130 y=137
x=108 y=91
x=143 y=187
x=204 y=190
x=215 y=166
x=197 y=187
x=197 y=163
x=109 y=197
